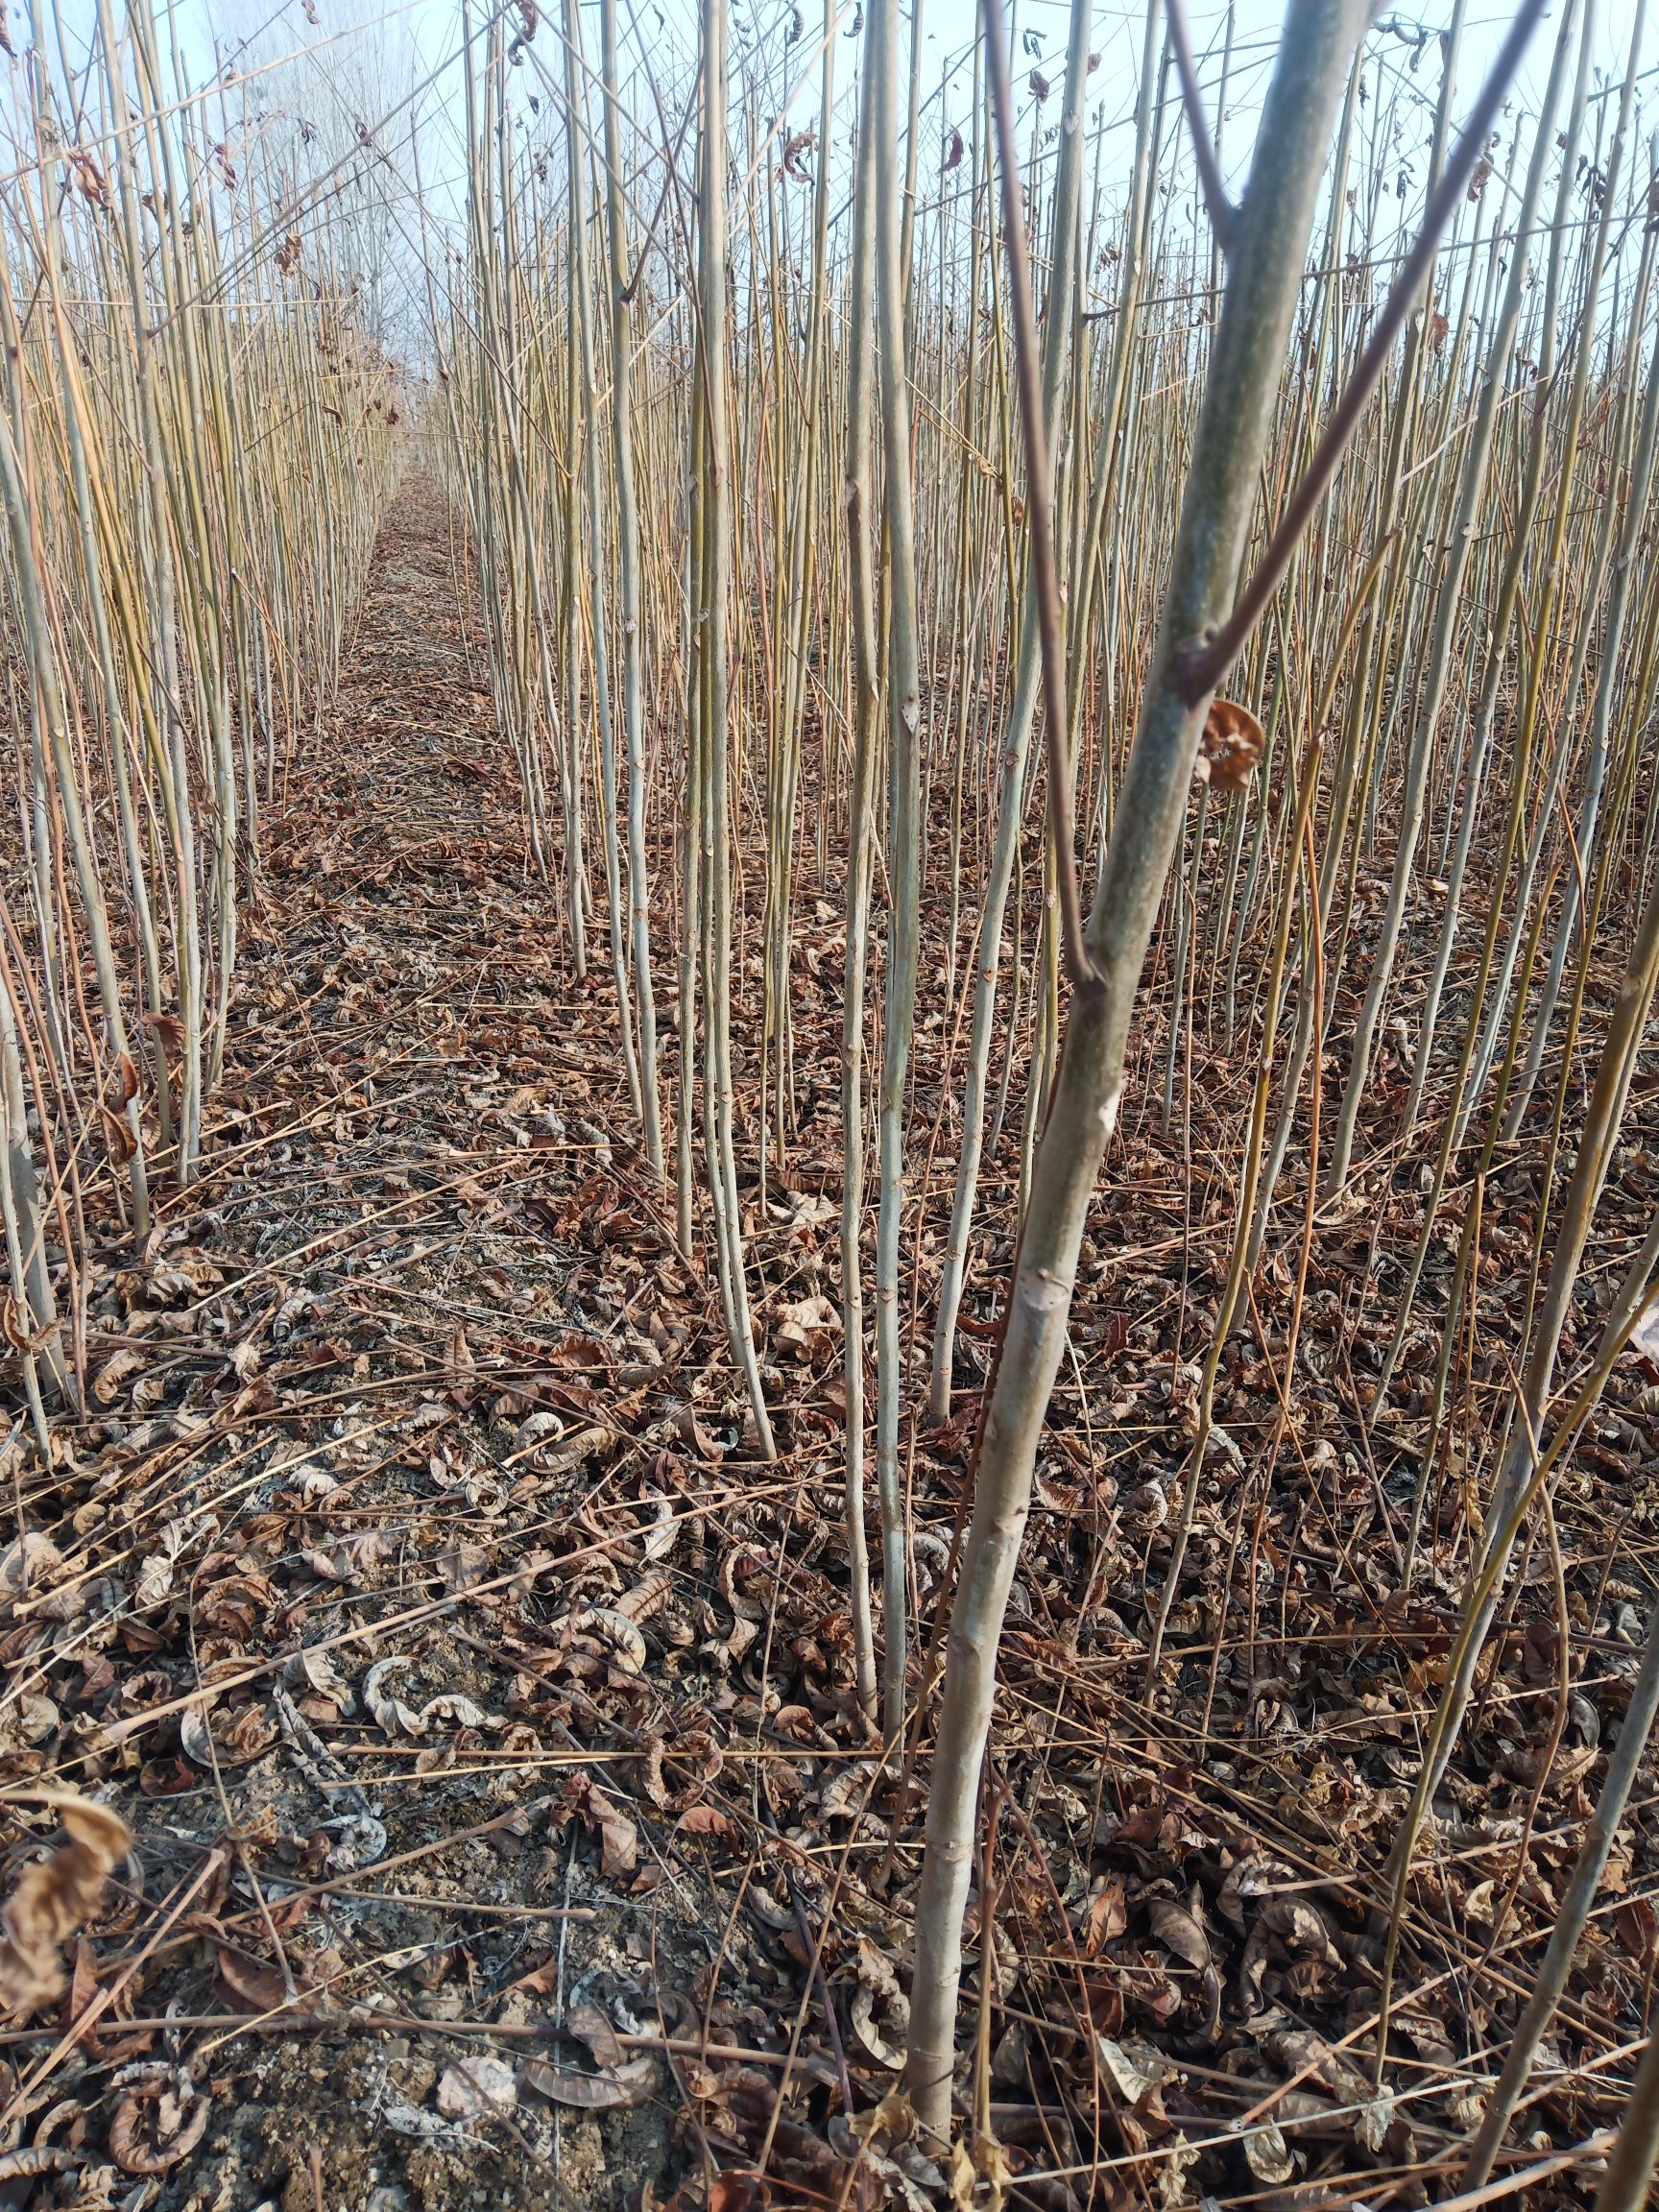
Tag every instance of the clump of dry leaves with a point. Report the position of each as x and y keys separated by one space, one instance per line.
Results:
x=54 y=1899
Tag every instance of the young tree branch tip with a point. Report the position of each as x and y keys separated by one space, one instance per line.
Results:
x=1221 y=210
x=1198 y=664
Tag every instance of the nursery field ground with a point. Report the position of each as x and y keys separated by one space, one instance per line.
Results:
x=506 y=1828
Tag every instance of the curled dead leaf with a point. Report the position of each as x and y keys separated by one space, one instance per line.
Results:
x=235 y=1739
x=768 y=1909
x=1252 y=1876
x=694 y=1433
x=167 y=1027
x=28 y=1566
x=1295 y=1925
x=556 y=1453
x=396 y=1719
x=808 y=1328
x=737 y=2193
x=861 y=2016
x=628 y=1644
x=117 y=1135
x=158 y=2123
x=254 y=1987
x=1107 y=1917
x=1133 y=2067
x=27 y=1723
x=618 y=1837
x=1178 y=1930
x=153 y=1584
x=591 y=2026
x=647 y=1596
x=799 y=144
x=1373 y=2121
x=1231 y=747
x=664 y=1531
x=315 y=1671
x=981 y=2175
x=1270 y=2157
x=30 y=2164
x=608 y=2091
x=230 y=1604
x=108 y=1381
x=1302 y=2051
x=707 y=1820
x=648 y=1773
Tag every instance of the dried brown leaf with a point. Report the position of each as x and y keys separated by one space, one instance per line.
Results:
x=254 y=1987
x=157 y=2124
x=707 y=1820
x=1177 y=1930
x=1107 y=1917
x=1231 y=747
x=610 y=2091
x=590 y=2025
x=53 y=1898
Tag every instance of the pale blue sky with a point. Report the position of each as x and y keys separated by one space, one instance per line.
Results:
x=429 y=29
x=351 y=58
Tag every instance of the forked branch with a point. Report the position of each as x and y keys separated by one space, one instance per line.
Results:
x=1201 y=663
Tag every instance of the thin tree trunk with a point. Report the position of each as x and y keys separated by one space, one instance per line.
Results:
x=1267 y=250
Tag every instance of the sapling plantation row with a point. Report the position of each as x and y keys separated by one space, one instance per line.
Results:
x=1077 y=660
x=198 y=434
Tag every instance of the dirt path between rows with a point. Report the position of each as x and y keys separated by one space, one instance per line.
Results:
x=386 y=1412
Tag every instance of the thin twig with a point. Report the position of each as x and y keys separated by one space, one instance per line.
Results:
x=1220 y=208
x=1086 y=979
